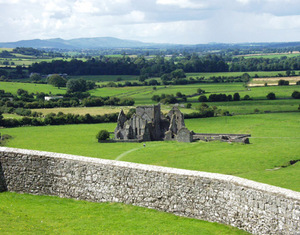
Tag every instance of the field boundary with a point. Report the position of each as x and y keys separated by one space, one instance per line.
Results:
x=255 y=207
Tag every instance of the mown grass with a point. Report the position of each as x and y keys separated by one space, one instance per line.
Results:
x=28 y=214
x=31 y=88
x=275 y=142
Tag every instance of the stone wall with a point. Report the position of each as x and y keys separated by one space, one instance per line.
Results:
x=254 y=207
x=2 y=180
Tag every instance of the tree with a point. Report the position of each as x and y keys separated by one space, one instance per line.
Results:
x=76 y=85
x=200 y=91
x=202 y=98
x=236 y=97
x=57 y=80
x=296 y=95
x=102 y=135
x=35 y=77
x=282 y=82
x=245 y=77
x=271 y=96
x=178 y=73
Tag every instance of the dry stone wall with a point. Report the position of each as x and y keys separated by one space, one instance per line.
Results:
x=254 y=207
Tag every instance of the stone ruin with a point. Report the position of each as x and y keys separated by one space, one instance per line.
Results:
x=149 y=124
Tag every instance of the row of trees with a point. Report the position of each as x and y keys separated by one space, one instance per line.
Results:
x=131 y=66
x=58 y=119
x=159 y=65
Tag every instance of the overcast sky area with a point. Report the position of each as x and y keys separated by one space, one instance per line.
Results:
x=161 y=21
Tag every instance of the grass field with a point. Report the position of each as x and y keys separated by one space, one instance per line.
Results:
x=100 y=110
x=106 y=78
x=28 y=214
x=269 y=55
x=31 y=88
x=237 y=74
x=259 y=106
x=274 y=142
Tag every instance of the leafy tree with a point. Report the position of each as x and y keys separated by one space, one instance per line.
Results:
x=155 y=98
x=271 y=96
x=202 y=98
x=200 y=91
x=153 y=82
x=296 y=95
x=35 y=77
x=76 y=85
x=236 y=97
x=178 y=73
x=102 y=135
x=57 y=80
x=282 y=82
x=246 y=97
x=245 y=77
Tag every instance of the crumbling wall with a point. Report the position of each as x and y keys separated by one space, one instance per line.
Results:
x=255 y=207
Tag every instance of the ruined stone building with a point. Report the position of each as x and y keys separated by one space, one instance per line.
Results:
x=149 y=124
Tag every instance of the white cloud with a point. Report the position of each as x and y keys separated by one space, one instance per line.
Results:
x=85 y=6
x=182 y=3
x=180 y=21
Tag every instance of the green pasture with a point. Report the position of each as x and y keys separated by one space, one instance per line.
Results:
x=32 y=214
x=31 y=88
x=270 y=56
x=274 y=142
x=255 y=93
x=256 y=106
x=237 y=74
x=96 y=110
x=106 y=78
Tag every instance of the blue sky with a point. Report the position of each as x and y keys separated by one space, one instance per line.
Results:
x=162 y=21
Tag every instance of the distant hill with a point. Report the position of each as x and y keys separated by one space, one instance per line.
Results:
x=116 y=43
x=81 y=43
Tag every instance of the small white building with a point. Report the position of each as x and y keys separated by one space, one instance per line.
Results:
x=47 y=98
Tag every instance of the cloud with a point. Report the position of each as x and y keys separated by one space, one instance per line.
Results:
x=183 y=3
x=177 y=21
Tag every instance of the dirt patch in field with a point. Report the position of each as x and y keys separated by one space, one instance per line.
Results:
x=273 y=81
x=277 y=79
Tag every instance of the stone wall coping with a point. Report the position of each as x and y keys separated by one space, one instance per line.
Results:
x=167 y=170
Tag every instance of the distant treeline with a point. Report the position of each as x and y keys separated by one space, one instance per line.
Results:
x=131 y=66
x=159 y=65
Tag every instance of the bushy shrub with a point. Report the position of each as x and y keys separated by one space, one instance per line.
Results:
x=296 y=95
x=102 y=135
x=271 y=96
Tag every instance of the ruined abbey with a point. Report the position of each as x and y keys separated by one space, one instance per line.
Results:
x=149 y=124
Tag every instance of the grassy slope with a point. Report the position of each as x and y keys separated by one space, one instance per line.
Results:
x=28 y=214
x=275 y=142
